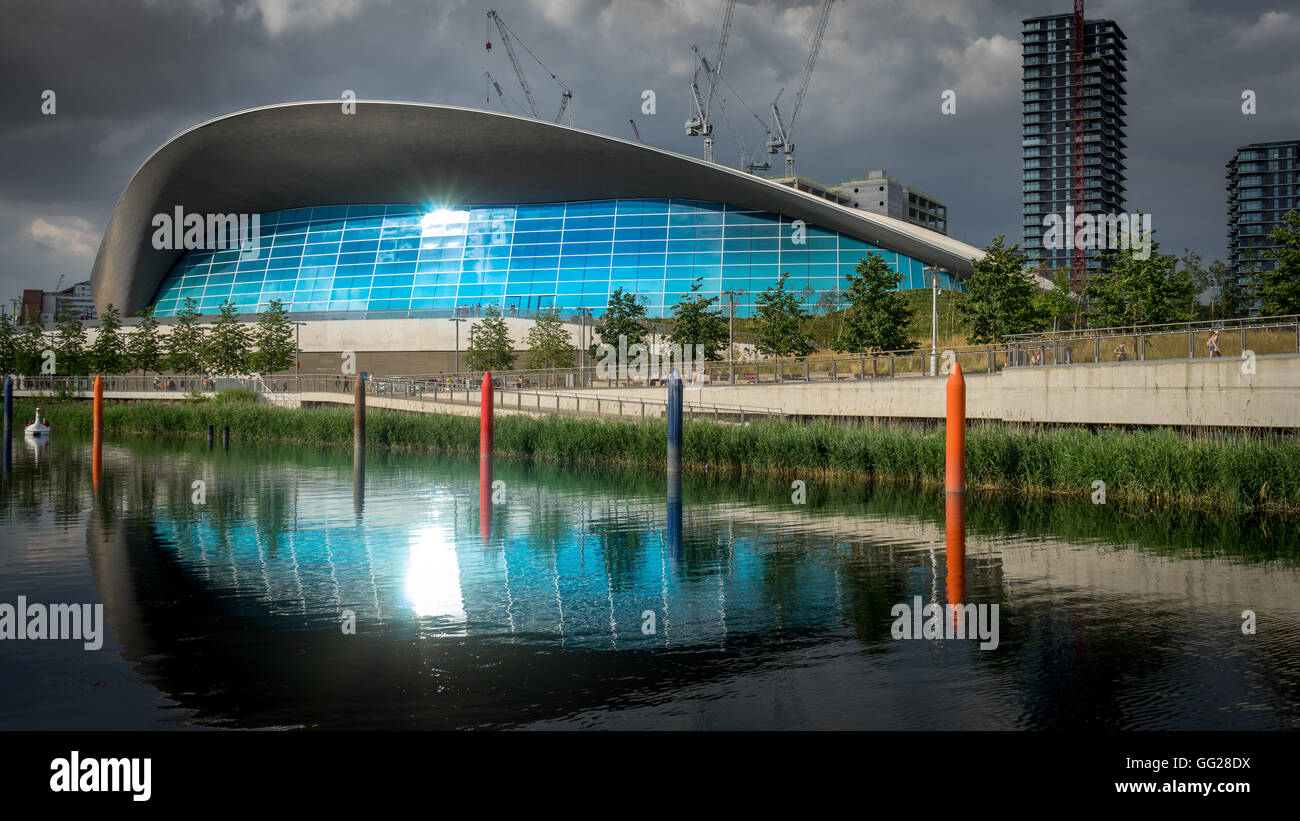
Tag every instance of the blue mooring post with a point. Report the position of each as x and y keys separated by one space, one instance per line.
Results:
x=9 y=405
x=674 y=428
x=9 y=422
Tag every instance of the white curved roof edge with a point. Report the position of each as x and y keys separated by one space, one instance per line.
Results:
x=941 y=242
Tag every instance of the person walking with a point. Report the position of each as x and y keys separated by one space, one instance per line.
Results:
x=1120 y=353
x=1213 y=344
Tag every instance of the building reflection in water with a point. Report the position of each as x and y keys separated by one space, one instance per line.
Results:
x=233 y=606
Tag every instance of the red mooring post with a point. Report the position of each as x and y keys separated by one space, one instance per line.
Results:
x=955 y=433
x=97 y=443
x=486 y=412
x=485 y=423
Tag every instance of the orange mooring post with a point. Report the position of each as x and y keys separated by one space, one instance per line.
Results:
x=99 y=405
x=955 y=433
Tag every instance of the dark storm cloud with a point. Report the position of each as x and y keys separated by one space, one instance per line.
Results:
x=131 y=74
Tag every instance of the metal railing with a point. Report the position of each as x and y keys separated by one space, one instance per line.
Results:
x=466 y=392
x=1169 y=341
x=816 y=368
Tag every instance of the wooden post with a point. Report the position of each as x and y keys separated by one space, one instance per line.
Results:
x=359 y=411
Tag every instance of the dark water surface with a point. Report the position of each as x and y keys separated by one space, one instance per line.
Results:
x=767 y=614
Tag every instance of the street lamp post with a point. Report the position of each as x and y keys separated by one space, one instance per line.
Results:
x=583 y=313
x=934 y=317
x=731 y=333
x=297 y=355
x=457 y=320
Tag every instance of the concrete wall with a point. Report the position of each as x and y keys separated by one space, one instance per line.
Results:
x=1201 y=392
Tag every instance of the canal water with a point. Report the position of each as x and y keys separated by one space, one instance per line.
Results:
x=276 y=587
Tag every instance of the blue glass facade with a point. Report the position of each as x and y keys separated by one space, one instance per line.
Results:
x=410 y=259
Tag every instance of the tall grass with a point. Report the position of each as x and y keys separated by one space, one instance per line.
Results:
x=1159 y=468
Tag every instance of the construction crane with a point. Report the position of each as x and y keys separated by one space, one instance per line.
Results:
x=699 y=125
x=1079 y=259
x=784 y=139
x=501 y=95
x=508 y=39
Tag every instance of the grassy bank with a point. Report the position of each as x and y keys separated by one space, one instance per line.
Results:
x=1146 y=467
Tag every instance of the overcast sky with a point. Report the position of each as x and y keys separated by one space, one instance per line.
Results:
x=129 y=74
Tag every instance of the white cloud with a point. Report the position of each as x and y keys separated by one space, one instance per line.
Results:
x=67 y=236
x=1271 y=27
x=280 y=16
x=988 y=68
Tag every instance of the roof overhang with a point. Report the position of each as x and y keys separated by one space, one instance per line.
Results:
x=312 y=153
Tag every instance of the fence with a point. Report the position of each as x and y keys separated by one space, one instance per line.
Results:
x=1170 y=341
x=459 y=392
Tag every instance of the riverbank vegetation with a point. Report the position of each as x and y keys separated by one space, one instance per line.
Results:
x=1153 y=467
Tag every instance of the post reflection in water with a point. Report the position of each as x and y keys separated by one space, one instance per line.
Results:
x=358 y=480
x=97 y=459
x=764 y=616
x=485 y=499
x=955 y=551
x=675 y=516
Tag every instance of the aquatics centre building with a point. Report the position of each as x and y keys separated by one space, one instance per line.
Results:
x=408 y=210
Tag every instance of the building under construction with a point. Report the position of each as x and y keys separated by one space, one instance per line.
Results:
x=1060 y=124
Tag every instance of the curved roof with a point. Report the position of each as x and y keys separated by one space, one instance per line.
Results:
x=311 y=153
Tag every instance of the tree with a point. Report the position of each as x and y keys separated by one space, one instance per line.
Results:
x=69 y=343
x=780 y=330
x=1002 y=295
x=31 y=345
x=8 y=345
x=1278 y=290
x=1197 y=276
x=1229 y=299
x=145 y=348
x=828 y=303
x=108 y=354
x=1131 y=290
x=698 y=322
x=273 y=340
x=625 y=316
x=185 y=342
x=549 y=343
x=490 y=347
x=226 y=349
x=877 y=315
x=1060 y=305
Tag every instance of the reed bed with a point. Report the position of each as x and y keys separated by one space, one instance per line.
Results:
x=1221 y=471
